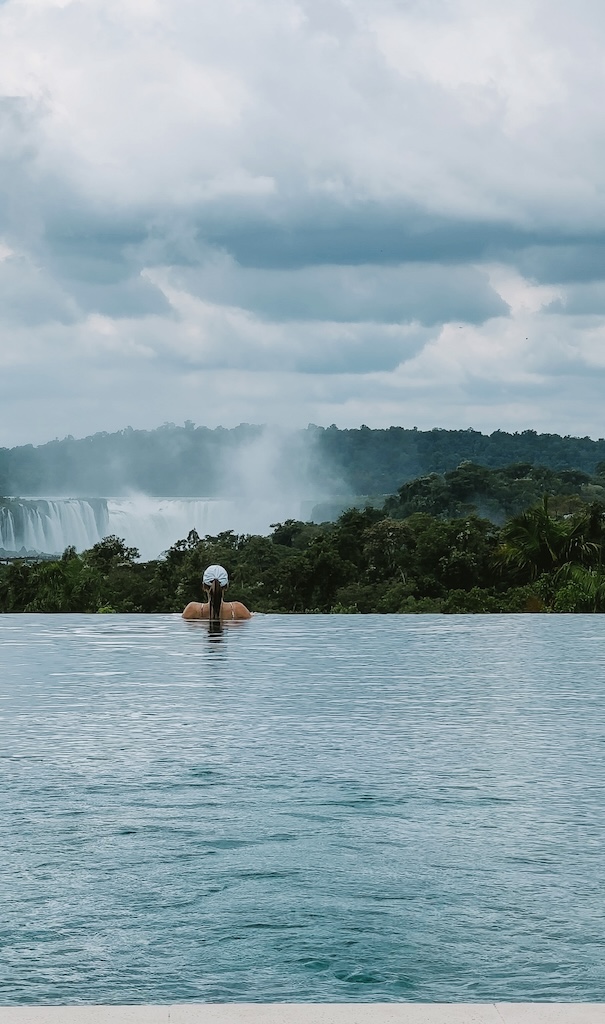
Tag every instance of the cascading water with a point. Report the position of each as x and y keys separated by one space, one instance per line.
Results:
x=48 y=526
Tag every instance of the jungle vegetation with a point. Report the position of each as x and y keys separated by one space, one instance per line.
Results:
x=427 y=550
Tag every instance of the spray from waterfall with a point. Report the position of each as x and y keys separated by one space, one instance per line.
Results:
x=268 y=478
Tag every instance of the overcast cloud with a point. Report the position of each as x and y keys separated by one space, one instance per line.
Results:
x=349 y=211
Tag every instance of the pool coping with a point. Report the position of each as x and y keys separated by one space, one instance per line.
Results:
x=310 y=1013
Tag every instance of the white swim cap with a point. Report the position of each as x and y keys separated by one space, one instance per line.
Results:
x=215 y=572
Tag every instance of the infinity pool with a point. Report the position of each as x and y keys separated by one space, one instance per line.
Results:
x=306 y=808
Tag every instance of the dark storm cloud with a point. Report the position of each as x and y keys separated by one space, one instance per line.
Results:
x=563 y=261
x=427 y=293
x=106 y=249
x=364 y=233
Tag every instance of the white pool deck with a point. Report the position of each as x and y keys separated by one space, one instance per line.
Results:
x=311 y=1013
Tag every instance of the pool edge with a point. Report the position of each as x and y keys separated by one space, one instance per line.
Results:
x=309 y=1013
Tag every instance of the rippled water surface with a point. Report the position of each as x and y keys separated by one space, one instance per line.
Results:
x=309 y=808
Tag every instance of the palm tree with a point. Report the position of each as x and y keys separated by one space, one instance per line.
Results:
x=582 y=589
x=534 y=542
x=585 y=542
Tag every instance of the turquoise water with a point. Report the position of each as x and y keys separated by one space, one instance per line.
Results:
x=319 y=808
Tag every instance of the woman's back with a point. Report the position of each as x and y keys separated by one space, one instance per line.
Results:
x=215 y=581
x=228 y=610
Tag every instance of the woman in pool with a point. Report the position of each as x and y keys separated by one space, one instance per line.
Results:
x=215 y=582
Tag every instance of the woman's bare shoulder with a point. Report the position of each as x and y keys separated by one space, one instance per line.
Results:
x=195 y=610
x=241 y=612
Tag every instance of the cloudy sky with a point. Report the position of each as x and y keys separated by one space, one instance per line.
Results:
x=292 y=211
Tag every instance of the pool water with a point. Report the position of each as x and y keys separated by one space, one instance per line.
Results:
x=304 y=808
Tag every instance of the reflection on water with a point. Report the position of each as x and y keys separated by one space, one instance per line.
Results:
x=320 y=808
x=215 y=629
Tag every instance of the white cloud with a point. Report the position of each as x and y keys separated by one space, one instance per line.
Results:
x=496 y=59
x=181 y=102
x=340 y=211
x=521 y=295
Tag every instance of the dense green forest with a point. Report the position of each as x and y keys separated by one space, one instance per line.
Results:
x=426 y=551
x=196 y=461
x=497 y=494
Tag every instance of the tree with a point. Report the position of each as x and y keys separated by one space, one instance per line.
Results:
x=110 y=552
x=534 y=542
x=579 y=589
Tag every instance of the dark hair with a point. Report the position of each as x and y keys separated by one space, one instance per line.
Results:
x=216 y=599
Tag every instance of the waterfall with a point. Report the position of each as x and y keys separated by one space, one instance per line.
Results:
x=49 y=525
x=7 y=530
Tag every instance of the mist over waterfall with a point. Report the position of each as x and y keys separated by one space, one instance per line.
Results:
x=269 y=477
x=154 y=524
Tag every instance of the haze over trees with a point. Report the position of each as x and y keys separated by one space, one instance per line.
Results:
x=192 y=461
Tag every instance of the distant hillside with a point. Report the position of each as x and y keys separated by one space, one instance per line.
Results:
x=496 y=494
x=194 y=461
x=379 y=461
